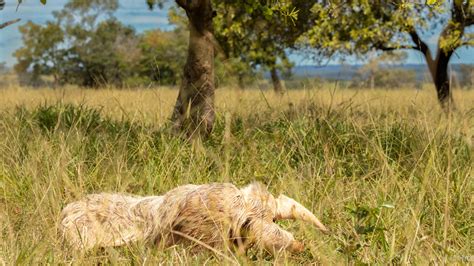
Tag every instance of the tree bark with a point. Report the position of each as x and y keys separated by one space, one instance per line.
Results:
x=194 y=109
x=277 y=85
x=439 y=73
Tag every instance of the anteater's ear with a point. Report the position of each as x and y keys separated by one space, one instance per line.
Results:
x=288 y=208
x=254 y=189
x=257 y=192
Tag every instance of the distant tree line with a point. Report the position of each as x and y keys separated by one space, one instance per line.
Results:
x=88 y=46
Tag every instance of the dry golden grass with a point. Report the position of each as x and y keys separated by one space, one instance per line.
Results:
x=155 y=105
x=386 y=170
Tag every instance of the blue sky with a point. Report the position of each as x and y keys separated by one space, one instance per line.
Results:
x=136 y=14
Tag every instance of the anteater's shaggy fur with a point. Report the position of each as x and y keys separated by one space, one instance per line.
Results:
x=203 y=216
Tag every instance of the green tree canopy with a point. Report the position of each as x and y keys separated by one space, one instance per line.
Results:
x=360 y=26
x=86 y=45
x=259 y=34
x=163 y=55
x=83 y=45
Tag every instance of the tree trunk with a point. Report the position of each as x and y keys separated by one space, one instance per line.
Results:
x=194 y=110
x=472 y=78
x=438 y=67
x=277 y=86
x=441 y=79
x=372 y=80
x=240 y=81
x=440 y=74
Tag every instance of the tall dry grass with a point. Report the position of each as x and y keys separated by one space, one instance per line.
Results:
x=386 y=170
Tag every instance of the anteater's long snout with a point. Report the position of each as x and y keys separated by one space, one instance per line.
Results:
x=288 y=208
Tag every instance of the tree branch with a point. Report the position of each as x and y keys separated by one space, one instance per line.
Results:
x=420 y=44
x=470 y=22
x=393 y=48
x=8 y=23
x=188 y=5
x=181 y=3
x=462 y=12
x=423 y=48
x=468 y=39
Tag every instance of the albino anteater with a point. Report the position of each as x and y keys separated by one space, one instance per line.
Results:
x=203 y=216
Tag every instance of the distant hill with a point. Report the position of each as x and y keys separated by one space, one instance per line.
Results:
x=347 y=72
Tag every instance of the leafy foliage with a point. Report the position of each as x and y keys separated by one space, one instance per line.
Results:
x=259 y=33
x=363 y=26
x=163 y=55
x=71 y=54
x=88 y=46
x=385 y=25
x=256 y=34
x=76 y=47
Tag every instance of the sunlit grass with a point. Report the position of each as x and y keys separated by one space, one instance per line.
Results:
x=155 y=105
x=386 y=170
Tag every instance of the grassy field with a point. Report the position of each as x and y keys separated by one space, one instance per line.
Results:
x=386 y=170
